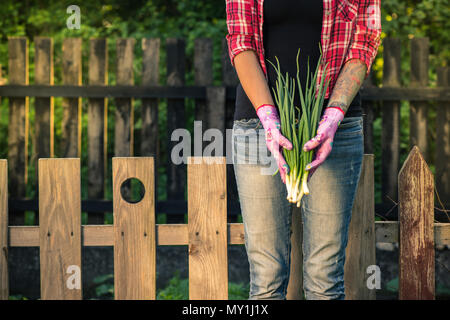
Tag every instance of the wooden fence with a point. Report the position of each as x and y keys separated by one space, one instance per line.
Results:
x=135 y=235
x=214 y=105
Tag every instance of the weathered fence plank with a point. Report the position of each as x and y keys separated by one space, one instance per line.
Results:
x=176 y=118
x=124 y=112
x=203 y=62
x=390 y=134
x=177 y=234
x=418 y=116
x=134 y=231
x=149 y=114
x=207 y=224
x=43 y=74
x=150 y=77
x=229 y=80
x=97 y=126
x=416 y=241
x=18 y=125
x=71 y=121
x=4 y=284
x=44 y=111
x=368 y=108
x=442 y=159
x=60 y=228
x=360 y=251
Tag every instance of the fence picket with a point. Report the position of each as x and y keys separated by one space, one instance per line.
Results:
x=416 y=237
x=60 y=228
x=124 y=113
x=418 y=116
x=207 y=225
x=18 y=125
x=390 y=140
x=4 y=283
x=176 y=118
x=360 y=252
x=97 y=126
x=229 y=80
x=442 y=159
x=71 y=121
x=134 y=231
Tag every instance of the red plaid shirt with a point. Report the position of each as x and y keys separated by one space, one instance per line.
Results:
x=351 y=29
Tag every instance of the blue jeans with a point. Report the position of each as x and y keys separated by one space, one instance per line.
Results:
x=326 y=214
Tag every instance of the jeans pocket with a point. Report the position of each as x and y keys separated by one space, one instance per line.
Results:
x=350 y=126
x=253 y=123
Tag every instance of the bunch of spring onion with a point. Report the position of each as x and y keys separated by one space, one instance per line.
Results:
x=299 y=126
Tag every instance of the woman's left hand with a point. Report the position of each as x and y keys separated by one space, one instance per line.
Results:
x=328 y=125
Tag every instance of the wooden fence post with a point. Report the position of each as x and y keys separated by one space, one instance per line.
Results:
x=418 y=118
x=360 y=251
x=124 y=113
x=149 y=114
x=203 y=62
x=368 y=108
x=416 y=237
x=18 y=125
x=442 y=159
x=60 y=228
x=44 y=118
x=134 y=231
x=207 y=225
x=71 y=122
x=229 y=80
x=390 y=135
x=176 y=118
x=97 y=126
x=4 y=285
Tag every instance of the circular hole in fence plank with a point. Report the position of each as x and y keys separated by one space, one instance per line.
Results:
x=132 y=190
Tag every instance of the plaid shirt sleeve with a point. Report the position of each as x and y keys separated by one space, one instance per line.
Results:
x=366 y=36
x=240 y=35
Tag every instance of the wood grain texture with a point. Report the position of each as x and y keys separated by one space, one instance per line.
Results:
x=97 y=126
x=176 y=118
x=177 y=234
x=18 y=124
x=71 y=121
x=44 y=107
x=124 y=112
x=442 y=158
x=207 y=223
x=360 y=251
x=4 y=285
x=134 y=231
x=418 y=116
x=203 y=61
x=60 y=226
x=229 y=80
x=390 y=140
x=416 y=238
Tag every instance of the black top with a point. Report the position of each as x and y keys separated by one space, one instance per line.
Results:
x=287 y=26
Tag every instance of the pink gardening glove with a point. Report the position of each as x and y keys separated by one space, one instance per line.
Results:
x=328 y=125
x=270 y=120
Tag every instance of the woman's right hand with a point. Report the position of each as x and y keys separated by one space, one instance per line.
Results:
x=268 y=115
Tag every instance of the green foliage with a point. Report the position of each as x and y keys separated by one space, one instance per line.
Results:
x=176 y=289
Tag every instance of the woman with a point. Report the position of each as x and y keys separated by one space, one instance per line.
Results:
x=349 y=34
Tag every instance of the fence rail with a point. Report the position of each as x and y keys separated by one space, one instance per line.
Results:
x=214 y=106
x=135 y=234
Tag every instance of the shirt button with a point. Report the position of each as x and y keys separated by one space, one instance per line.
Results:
x=326 y=37
x=327 y=12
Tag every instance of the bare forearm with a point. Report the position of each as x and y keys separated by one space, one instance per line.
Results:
x=347 y=84
x=252 y=78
